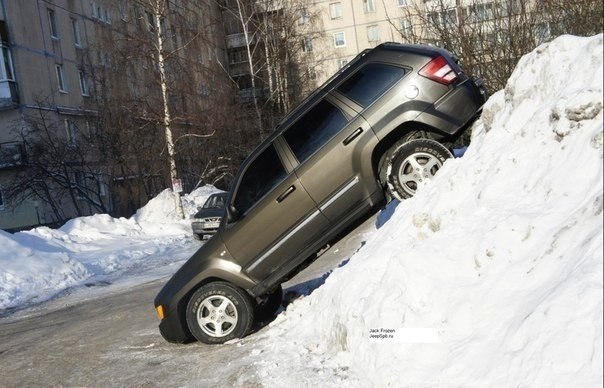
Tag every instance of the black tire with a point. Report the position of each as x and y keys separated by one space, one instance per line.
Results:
x=198 y=236
x=413 y=164
x=219 y=312
x=268 y=305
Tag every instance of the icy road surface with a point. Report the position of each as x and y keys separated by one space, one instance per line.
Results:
x=102 y=336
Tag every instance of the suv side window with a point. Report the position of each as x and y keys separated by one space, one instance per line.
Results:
x=314 y=129
x=264 y=173
x=370 y=82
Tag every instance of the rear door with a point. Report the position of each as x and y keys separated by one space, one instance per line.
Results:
x=278 y=219
x=330 y=144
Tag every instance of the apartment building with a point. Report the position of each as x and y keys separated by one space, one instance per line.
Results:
x=480 y=31
x=351 y=26
x=62 y=60
x=46 y=73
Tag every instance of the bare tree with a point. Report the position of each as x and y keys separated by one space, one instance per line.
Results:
x=164 y=78
x=241 y=27
x=490 y=37
x=64 y=170
x=287 y=30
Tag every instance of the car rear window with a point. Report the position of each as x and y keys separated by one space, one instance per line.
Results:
x=370 y=82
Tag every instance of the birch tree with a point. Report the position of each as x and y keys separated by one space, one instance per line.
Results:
x=167 y=76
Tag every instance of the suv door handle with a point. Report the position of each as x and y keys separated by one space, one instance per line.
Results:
x=353 y=136
x=286 y=193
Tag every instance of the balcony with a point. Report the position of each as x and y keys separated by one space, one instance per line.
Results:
x=238 y=40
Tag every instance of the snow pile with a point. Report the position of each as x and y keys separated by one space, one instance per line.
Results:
x=26 y=273
x=39 y=263
x=500 y=258
x=162 y=208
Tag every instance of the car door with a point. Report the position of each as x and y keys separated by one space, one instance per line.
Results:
x=277 y=220
x=332 y=145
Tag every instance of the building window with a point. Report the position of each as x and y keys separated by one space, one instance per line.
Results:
x=75 y=26
x=339 y=39
x=6 y=65
x=78 y=184
x=307 y=44
x=373 y=34
x=93 y=130
x=71 y=131
x=335 y=10
x=542 y=33
x=61 y=78
x=83 y=83
x=312 y=74
x=100 y=13
x=11 y=155
x=52 y=22
x=369 y=5
x=238 y=55
x=107 y=15
x=402 y=3
x=304 y=17
x=406 y=28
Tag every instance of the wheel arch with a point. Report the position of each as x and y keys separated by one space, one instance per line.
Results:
x=405 y=131
x=201 y=280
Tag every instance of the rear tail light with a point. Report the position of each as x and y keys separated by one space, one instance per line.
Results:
x=439 y=70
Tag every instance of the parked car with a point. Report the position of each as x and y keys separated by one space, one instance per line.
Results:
x=207 y=219
x=379 y=128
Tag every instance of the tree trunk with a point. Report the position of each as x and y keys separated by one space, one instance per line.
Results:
x=166 y=122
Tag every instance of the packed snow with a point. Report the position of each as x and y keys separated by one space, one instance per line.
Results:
x=490 y=276
x=38 y=264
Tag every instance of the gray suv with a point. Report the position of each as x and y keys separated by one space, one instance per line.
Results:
x=379 y=128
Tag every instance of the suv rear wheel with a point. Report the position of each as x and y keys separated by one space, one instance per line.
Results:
x=413 y=164
x=219 y=312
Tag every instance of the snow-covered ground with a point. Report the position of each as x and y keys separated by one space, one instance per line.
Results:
x=97 y=250
x=490 y=276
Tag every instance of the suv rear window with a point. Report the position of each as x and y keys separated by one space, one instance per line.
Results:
x=370 y=82
x=314 y=129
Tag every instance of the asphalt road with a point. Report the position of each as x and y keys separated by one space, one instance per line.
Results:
x=113 y=339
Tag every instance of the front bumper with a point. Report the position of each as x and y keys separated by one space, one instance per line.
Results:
x=204 y=227
x=172 y=330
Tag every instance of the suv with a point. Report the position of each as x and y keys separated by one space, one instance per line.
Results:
x=207 y=219
x=379 y=128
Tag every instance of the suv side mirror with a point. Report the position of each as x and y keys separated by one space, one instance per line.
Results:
x=232 y=214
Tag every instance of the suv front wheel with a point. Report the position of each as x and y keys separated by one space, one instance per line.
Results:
x=219 y=312
x=413 y=165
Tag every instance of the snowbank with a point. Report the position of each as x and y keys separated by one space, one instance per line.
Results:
x=37 y=264
x=500 y=258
